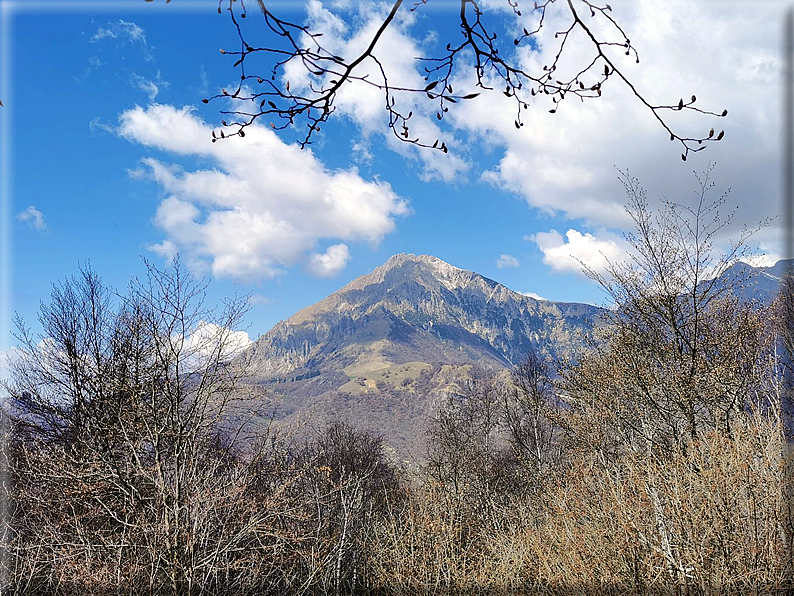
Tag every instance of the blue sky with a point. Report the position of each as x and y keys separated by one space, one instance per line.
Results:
x=107 y=141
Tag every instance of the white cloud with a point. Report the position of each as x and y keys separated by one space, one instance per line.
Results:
x=330 y=263
x=124 y=32
x=263 y=204
x=364 y=104
x=580 y=249
x=120 y=29
x=33 y=217
x=534 y=295
x=204 y=82
x=507 y=261
x=209 y=341
x=92 y=64
x=762 y=260
x=257 y=299
x=96 y=125
x=361 y=152
x=166 y=249
x=768 y=254
x=151 y=88
x=565 y=162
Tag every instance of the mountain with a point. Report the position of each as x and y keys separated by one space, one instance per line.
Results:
x=757 y=283
x=419 y=308
x=383 y=349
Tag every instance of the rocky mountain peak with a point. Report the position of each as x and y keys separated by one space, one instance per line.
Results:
x=427 y=270
x=419 y=308
x=431 y=263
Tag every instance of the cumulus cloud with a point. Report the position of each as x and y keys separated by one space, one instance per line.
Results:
x=362 y=103
x=768 y=254
x=166 y=249
x=565 y=162
x=507 y=262
x=33 y=217
x=261 y=206
x=579 y=250
x=330 y=263
x=534 y=295
x=209 y=341
x=762 y=260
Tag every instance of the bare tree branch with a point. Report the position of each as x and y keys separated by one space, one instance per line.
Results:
x=293 y=44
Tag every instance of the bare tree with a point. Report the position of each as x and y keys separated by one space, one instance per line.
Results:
x=347 y=488
x=132 y=461
x=528 y=409
x=463 y=437
x=785 y=323
x=495 y=439
x=291 y=45
x=473 y=461
x=681 y=352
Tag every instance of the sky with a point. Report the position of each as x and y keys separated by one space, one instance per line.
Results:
x=107 y=156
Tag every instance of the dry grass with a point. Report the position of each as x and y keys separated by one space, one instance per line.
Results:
x=710 y=521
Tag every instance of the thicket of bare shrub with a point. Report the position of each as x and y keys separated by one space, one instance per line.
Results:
x=713 y=520
x=653 y=462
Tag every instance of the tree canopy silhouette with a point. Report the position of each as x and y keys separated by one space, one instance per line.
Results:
x=282 y=45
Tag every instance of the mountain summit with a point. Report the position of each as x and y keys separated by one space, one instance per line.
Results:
x=417 y=308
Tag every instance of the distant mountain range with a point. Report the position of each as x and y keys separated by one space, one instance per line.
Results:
x=762 y=283
x=386 y=347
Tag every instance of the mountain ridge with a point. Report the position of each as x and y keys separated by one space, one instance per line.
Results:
x=410 y=300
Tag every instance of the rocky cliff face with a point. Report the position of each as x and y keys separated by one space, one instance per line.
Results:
x=418 y=309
